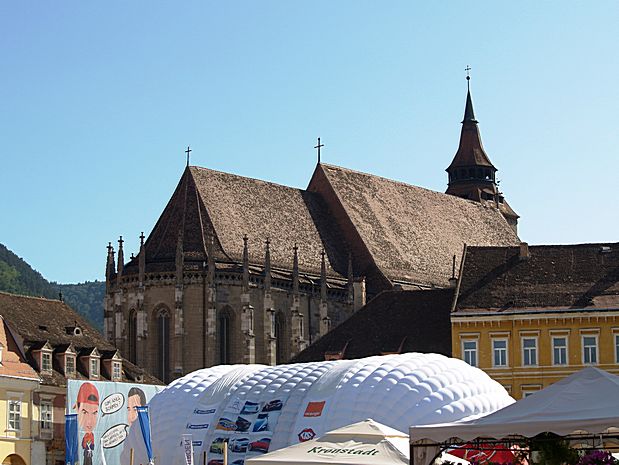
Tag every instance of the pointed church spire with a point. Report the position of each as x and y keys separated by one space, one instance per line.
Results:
x=472 y=175
x=109 y=265
x=245 y=264
x=295 y=270
x=141 y=260
x=267 y=266
x=469 y=113
x=121 y=258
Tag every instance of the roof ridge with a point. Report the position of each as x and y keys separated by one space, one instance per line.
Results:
x=395 y=181
x=200 y=168
x=49 y=299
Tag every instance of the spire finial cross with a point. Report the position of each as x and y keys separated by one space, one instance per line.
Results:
x=318 y=147
x=468 y=76
x=188 y=151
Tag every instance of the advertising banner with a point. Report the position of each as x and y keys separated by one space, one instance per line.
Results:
x=145 y=427
x=188 y=448
x=70 y=438
x=104 y=412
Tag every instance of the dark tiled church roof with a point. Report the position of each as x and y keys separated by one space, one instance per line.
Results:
x=392 y=230
x=236 y=206
x=392 y=322
x=553 y=276
x=37 y=320
x=411 y=233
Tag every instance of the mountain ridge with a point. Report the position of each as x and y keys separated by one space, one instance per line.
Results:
x=18 y=277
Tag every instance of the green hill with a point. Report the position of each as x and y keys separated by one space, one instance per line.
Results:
x=18 y=277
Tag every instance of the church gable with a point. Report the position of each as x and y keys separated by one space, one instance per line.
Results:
x=412 y=233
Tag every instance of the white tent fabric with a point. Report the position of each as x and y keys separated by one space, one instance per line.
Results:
x=261 y=408
x=584 y=401
x=365 y=442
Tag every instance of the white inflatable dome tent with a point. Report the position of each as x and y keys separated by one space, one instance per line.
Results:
x=257 y=408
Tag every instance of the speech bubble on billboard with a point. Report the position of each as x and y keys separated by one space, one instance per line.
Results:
x=114 y=436
x=112 y=403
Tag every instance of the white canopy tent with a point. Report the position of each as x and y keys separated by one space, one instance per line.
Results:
x=584 y=402
x=365 y=442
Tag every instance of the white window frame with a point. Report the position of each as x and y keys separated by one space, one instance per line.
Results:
x=67 y=357
x=555 y=362
x=116 y=370
x=46 y=355
x=46 y=417
x=1 y=353
x=505 y=350
x=474 y=351
x=529 y=349
x=595 y=353
x=94 y=367
x=13 y=415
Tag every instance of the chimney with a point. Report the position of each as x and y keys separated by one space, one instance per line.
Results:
x=524 y=251
x=453 y=280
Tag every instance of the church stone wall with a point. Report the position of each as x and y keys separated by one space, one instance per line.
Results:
x=193 y=309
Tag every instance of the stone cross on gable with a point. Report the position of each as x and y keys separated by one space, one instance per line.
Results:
x=188 y=151
x=318 y=147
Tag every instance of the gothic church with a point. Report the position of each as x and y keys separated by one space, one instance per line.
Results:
x=239 y=270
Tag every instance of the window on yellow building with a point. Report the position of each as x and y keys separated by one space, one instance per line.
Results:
x=559 y=351
x=499 y=352
x=589 y=350
x=14 y=418
x=616 y=348
x=469 y=352
x=47 y=412
x=529 y=351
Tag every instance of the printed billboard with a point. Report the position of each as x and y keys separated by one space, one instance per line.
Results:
x=105 y=411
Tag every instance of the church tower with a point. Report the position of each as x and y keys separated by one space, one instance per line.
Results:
x=471 y=173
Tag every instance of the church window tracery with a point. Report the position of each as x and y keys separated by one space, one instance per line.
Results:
x=163 y=344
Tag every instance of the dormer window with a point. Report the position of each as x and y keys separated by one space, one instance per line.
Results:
x=46 y=361
x=94 y=367
x=69 y=365
x=116 y=371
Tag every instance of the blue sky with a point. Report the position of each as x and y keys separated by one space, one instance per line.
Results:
x=100 y=99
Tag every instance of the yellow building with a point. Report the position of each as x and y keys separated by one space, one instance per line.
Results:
x=18 y=381
x=530 y=316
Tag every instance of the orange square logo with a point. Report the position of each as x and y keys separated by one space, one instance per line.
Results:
x=314 y=409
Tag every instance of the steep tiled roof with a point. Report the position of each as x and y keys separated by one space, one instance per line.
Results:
x=37 y=320
x=394 y=321
x=229 y=207
x=410 y=233
x=470 y=150
x=14 y=362
x=553 y=276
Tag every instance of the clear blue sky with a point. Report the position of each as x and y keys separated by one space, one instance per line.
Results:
x=99 y=100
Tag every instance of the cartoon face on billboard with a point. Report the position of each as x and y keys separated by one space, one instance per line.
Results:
x=87 y=406
x=135 y=398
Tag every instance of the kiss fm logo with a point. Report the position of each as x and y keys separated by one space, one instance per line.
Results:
x=306 y=435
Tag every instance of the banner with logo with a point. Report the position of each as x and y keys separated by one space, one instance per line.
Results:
x=104 y=411
x=70 y=438
x=188 y=448
x=145 y=428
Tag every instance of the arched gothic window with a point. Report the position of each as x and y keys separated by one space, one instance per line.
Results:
x=163 y=345
x=224 y=336
x=133 y=335
x=280 y=338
